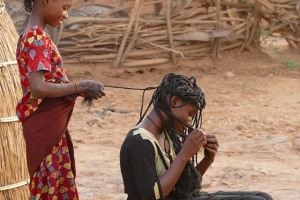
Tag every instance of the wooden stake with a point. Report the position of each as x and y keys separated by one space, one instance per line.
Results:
x=134 y=37
x=169 y=29
x=126 y=34
x=216 y=44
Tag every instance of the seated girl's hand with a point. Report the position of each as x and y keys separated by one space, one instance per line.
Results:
x=194 y=142
x=211 y=148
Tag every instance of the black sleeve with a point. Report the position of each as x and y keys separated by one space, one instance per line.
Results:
x=142 y=156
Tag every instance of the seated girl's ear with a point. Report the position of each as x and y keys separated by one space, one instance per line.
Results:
x=175 y=101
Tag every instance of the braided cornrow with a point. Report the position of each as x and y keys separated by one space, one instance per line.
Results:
x=186 y=89
x=28 y=5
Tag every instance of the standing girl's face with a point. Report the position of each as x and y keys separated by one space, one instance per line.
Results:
x=183 y=111
x=56 y=11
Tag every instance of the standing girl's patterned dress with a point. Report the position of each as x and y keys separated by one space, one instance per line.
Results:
x=48 y=102
x=49 y=152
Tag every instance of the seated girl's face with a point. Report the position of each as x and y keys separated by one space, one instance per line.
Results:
x=183 y=111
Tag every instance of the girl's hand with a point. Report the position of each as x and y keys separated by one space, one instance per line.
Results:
x=193 y=143
x=90 y=89
x=211 y=148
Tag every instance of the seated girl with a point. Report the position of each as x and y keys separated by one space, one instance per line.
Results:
x=159 y=156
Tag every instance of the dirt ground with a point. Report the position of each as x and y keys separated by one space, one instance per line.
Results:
x=253 y=103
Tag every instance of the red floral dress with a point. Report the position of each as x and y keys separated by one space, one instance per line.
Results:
x=54 y=178
x=37 y=52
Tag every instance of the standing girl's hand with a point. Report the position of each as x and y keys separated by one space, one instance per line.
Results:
x=211 y=148
x=90 y=89
x=194 y=142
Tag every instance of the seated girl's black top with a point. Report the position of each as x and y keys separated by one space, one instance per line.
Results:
x=141 y=165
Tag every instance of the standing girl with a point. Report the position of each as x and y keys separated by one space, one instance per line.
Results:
x=159 y=156
x=47 y=103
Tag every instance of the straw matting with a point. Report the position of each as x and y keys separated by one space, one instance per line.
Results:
x=13 y=168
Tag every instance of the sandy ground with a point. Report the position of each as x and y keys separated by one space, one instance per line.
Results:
x=253 y=104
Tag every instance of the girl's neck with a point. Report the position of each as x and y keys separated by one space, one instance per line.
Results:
x=36 y=19
x=154 y=124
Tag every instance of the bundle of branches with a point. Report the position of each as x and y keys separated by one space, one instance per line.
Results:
x=175 y=30
x=13 y=168
x=283 y=18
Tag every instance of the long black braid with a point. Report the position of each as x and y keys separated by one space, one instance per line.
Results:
x=186 y=89
x=28 y=5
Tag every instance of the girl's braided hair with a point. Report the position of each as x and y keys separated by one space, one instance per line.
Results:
x=187 y=90
x=28 y=5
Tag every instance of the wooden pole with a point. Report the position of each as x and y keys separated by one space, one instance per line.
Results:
x=216 y=43
x=135 y=35
x=255 y=26
x=170 y=34
x=126 y=34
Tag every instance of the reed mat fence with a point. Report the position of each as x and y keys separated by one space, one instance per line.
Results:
x=177 y=29
x=13 y=168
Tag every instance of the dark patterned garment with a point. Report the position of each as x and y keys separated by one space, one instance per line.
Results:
x=141 y=165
